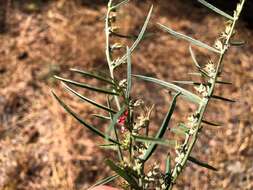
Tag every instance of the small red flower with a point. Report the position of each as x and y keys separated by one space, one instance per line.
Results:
x=122 y=120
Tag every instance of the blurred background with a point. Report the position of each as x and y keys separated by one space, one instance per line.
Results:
x=42 y=147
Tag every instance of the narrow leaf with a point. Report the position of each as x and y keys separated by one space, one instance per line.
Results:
x=109 y=146
x=168 y=165
x=124 y=174
x=101 y=117
x=194 y=58
x=215 y=9
x=202 y=164
x=186 y=82
x=132 y=37
x=222 y=98
x=223 y=82
x=187 y=38
x=115 y=120
x=82 y=85
x=93 y=75
x=162 y=129
x=119 y=4
x=211 y=123
x=189 y=95
x=104 y=181
x=129 y=74
x=90 y=127
x=160 y=141
x=196 y=62
x=237 y=43
x=88 y=100
x=195 y=74
x=183 y=127
x=178 y=131
x=138 y=40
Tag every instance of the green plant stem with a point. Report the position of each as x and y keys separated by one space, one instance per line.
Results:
x=109 y=61
x=202 y=108
x=108 y=49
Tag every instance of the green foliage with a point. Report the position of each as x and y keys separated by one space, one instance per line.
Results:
x=131 y=137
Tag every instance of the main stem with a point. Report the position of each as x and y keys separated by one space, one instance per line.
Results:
x=109 y=61
x=108 y=48
x=202 y=108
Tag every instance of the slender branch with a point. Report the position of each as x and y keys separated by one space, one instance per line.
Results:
x=202 y=108
x=107 y=48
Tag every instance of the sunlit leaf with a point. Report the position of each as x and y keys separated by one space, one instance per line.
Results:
x=90 y=127
x=114 y=7
x=137 y=41
x=104 y=181
x=194 y=58
x=160 y=141
x=115 y=120
x=215 y=9
x=187 y=38
x=129 y=74
x=123 y=173
x=189 y=95
x=162 y=129
x=168 y=165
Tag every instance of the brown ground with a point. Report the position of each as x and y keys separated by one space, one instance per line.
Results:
x=44 y=148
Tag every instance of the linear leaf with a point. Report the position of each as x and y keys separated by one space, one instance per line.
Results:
x=132 y=37
x=222 y=98
x=196 y=62
x=93 y=75
x=189 y=95
x=90 y=127
x=237 y=43
x=109 y=146
x=223 y=82
x=119 y=4
x=82 y=85
x=129 y=74
x=183 y=127
x=138 y=40
x=202 y=164
x=160 y=141
x=195 y=74
x=162 y=129
x=194 y=57
x=187 y=38
x=178 y=131
x=124 y=174
x=88 y=100
x=112 y=126
x=101 y=117
x=211 y=123
x=115 y=120
x=104 y=181
x=168 y=165
x=186 y=82
x=215 y=9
